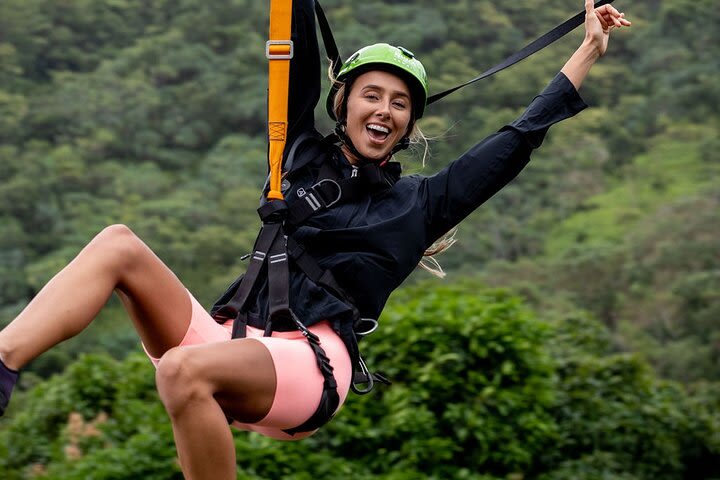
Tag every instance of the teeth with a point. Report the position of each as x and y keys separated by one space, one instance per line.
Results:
x=378 y=128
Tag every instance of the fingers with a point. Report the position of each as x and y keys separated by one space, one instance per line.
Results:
x=603 y=20
x=625 y=22
x=609 y=16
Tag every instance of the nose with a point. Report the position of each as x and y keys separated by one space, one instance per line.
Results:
x=383 y=109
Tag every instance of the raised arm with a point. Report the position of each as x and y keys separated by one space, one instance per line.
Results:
x=469 y=181
x=466 y=183
x=598 y=23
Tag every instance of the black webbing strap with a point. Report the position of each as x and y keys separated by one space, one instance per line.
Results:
x=325 y=279
x=329 y=399
x=533 y=47
x=537 y=45
x=235 y=308
x=331 y=48
x=278 y=282
x=321 y=196
x=271 y=250
x=318 y=275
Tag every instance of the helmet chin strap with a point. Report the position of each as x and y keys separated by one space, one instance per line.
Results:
x=345 y=140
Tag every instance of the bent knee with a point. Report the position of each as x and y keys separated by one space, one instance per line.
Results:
x=179 y=380
x=118 y=235
x=119 y=243
x=173 y=369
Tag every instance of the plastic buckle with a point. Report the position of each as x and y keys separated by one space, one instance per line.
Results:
x=279 y=56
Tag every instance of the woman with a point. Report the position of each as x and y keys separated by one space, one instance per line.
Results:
x=268 y=384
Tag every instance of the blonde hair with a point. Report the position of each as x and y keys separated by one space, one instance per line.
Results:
x=428 y=263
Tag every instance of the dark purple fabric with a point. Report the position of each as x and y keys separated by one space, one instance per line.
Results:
x=8 y=378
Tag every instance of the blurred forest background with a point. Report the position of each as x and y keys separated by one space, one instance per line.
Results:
x=576 y=335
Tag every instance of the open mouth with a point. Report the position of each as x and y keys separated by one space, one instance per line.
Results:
x=377 y=132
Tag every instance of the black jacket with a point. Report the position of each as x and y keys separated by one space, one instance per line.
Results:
x=373 y=244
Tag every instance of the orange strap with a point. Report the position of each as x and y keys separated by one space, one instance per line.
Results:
x=279 y=51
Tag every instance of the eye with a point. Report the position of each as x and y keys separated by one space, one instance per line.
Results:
x=372 y=96
x=399 y=104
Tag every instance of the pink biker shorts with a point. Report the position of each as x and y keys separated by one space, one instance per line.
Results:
x=299 y=381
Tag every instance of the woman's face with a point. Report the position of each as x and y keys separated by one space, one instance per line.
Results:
x=378 y=114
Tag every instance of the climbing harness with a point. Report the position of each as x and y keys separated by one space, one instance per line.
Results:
x=274 y=248
x=272 y=251
x=271 y=247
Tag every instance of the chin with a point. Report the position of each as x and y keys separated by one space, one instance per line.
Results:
x=376 y=156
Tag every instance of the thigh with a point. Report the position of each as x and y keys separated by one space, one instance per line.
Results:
x=157 y=302
x=266 y=384
x=299 y=383
x=240 y=373
x=201 y=329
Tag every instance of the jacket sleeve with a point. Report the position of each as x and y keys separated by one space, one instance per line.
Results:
x=465 y=184
x=304 y=91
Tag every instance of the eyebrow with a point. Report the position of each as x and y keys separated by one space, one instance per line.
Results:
x=378 y=87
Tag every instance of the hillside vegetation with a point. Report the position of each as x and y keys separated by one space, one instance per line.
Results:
x=576 y=335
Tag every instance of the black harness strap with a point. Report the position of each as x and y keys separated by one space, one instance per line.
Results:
x=533 y=47
x=325 y=279
x=329 y=399
x=235 y=308
x=271 y=251
x=328 y=40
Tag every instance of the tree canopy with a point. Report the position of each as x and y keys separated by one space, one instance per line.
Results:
x=152 y=114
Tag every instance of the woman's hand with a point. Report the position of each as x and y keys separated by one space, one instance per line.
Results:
x=598 y=23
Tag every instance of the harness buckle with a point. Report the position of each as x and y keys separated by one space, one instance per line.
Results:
x=373 y=326
x=319 y=184
x=273 y=52
x=365 y=377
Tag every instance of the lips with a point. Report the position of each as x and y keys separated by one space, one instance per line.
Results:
x=377 y=132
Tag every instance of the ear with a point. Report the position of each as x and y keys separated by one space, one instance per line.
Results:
x=340 y=110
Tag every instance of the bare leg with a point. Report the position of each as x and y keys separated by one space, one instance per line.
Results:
x=199 y=385
x=115 y=259
x=193 y=381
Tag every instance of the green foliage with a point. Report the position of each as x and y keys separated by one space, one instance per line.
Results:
x=671 y=170
x=99 y=419
x=151 y=114
x=471 y=385
x=482 y=390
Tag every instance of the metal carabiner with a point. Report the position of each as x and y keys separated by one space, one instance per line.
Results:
x=332 y=182
x=373 y=327
x=368 y=376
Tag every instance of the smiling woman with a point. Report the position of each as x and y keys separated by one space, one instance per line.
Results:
x=378 y=73
x=378 y=115
x=335 y=258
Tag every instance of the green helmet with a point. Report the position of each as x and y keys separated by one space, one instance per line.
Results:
x=382 y=56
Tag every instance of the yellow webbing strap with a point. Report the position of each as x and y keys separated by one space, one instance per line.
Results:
x=279 y=51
